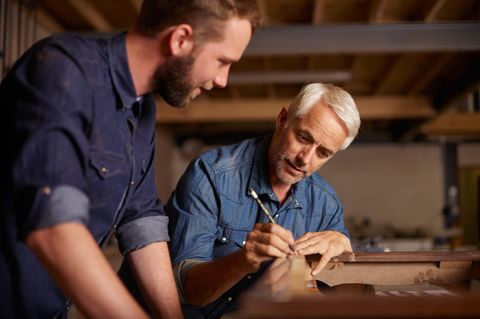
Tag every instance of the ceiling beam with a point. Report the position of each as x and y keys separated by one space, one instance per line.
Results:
x=429 y=74
x=283 y=77
x=137 y=4
x=377 y=11
x=318 y=11
x=91 y=15
x=455 y=90
x=383 y=38
x=398 y=66
x=453 y=124
x=437 y=7
x=48 y=22
x=260 y=110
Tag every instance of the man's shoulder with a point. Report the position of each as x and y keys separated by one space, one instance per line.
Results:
x=226 y=158
x=68 y=48
x=72 y=42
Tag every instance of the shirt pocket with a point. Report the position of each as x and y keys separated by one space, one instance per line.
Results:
x=108 y=178
x=229 y=240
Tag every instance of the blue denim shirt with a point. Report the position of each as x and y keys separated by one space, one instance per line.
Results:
x=78 y=147
x=211 y=211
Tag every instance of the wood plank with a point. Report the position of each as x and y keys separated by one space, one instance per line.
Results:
x=370 y=108
x=137 y=4
x=397 y=268
x=48 y=21
x=394 y=273
x=355 y=306
x=432 y=14
x=91 y=15
x=429 y=74
x=453 y=124
x=413 y=256
x=377 y=11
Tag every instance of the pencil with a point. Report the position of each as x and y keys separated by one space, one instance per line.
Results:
x=265 y=210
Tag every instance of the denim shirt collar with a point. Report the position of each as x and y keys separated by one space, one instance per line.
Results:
x=120 y=70
x=260 y=179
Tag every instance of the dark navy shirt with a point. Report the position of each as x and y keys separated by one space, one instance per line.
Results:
x=211 y=211
x=78 y=147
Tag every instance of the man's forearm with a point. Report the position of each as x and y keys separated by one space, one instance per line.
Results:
x=73 y=259
x=153 y=271
x=206 y=282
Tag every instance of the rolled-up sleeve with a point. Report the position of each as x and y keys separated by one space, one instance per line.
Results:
x=49 y=141
x=143 y=221
x=57 y=205
x=180 y=272
x=142 y=232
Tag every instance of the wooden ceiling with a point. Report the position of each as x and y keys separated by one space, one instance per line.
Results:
x=413 y=66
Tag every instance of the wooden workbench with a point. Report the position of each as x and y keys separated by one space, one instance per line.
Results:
x=370 y=285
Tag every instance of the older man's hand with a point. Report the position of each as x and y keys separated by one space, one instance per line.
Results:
x=265 y=242
x=327 y=243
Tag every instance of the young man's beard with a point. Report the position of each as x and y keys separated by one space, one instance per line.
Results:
x=172 y=80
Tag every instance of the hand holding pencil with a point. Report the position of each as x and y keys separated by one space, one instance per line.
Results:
x=269 y=215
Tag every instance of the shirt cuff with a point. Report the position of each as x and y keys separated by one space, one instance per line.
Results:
x=58 y=205
x=142 y=232
x=179 y=273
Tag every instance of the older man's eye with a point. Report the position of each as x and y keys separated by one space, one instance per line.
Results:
x=302 y=138
x=322 y=153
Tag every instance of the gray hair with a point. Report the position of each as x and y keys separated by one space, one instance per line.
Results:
x=334 y=97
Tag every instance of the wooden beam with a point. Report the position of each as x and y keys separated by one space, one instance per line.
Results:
x=137 y=4
x=262 y=5
x=394 y=107
x=292 y=76
x=432 y=14
x=364 y=38
x=91 y=15
x=457 y=89
x=429 y=74
x=48 y=22
x=377 y=11
x=453 y=124
x=397 y=268
x=318 y=11
x=397 y=66
x=261 y=110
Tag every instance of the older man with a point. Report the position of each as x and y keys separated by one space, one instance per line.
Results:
x=219 y=234
x=77 y=165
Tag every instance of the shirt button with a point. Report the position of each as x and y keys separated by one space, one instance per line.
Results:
x=46 y=190
x=249 y=277
x=229 y=298
x=224 y=239
x=243 y=243
x=132 y=182
x=104 y=170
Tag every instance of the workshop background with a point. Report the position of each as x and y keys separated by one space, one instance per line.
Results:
x=411 y=180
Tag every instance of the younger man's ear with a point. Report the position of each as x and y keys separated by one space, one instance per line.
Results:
x=181 y=40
